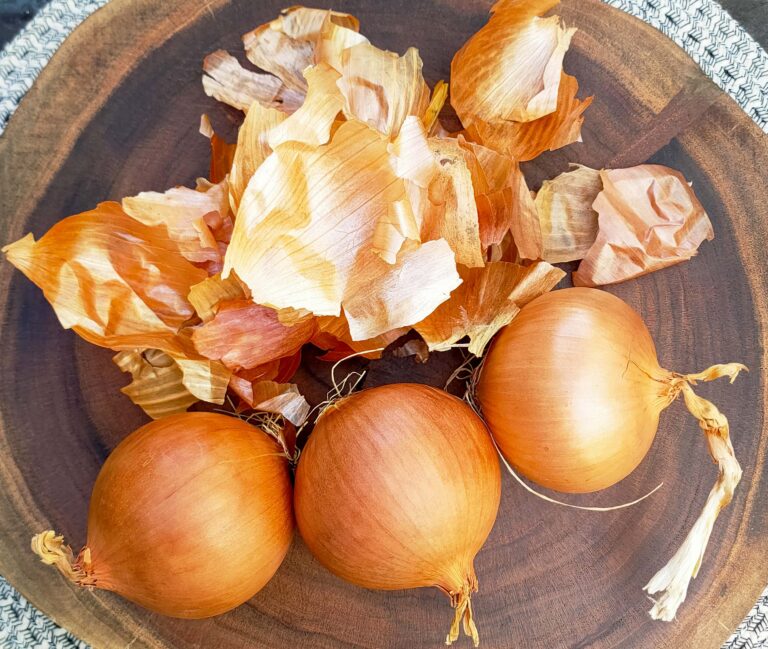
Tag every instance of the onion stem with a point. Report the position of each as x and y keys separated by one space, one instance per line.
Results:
x=462 y=602
x=54 y=552
x=673 y=579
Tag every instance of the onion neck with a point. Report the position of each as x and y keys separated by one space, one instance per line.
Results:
x=660 y=381
x=54 y=552
x=462 y=603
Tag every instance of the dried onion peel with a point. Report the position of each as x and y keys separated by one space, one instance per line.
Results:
x=190 y=516
x=586 y=427
x=649 y=218
x=398 y=487
x=508 y=86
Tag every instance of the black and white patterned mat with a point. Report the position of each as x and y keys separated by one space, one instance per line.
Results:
x=722 y=48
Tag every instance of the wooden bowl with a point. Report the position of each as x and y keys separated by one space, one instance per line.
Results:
x=117 y=111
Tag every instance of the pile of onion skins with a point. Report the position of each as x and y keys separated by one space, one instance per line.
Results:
x=346 y=216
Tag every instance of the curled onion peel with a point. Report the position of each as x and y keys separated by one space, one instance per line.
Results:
x=572 y=392
x=190 y=516
x=398 y=487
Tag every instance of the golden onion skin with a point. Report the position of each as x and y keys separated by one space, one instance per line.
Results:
x=191 y=515
x=571 y=390
x=398 y=487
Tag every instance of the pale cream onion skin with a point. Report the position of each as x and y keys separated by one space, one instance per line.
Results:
x=572 y=391
x=399 y=487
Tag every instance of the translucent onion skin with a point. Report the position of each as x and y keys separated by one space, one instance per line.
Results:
x=399 y=487
x=572 y=391
x=190 y=516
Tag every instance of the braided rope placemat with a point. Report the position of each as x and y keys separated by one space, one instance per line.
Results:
x=721 y=47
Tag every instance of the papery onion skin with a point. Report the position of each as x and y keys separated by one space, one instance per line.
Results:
x=572 y=390
x=399 y=487
x=190 y=516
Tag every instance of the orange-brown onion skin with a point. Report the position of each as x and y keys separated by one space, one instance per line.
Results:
x=568 y=390
x=398 y=487
x=191 y=515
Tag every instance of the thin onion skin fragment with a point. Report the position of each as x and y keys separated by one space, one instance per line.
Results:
x=508 y=85
x=648 y=218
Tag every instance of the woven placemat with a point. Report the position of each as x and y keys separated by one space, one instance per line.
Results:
x=721 y=47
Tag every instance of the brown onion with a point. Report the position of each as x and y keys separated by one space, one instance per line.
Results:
x=398 y=487
x=190 y=516
x=572 y=392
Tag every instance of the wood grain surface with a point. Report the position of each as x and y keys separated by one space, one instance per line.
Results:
x=117 y=110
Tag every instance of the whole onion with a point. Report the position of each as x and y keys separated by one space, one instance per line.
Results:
x=398 y=487
x=572 y=391
x=190 y=516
